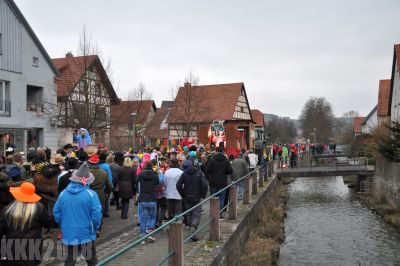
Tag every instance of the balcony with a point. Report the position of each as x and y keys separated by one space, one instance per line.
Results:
x=5 y=107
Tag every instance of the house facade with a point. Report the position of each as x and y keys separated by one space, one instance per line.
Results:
x=27 y=84
x=156 y=132
x=85 y=96
x=395 y=86
x=370 y=122
x=357 y=128
x=122 y=123
x=211 y=114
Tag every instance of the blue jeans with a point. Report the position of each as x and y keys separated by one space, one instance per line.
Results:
x=240 y=190
x=148 y=215
x=221 y=196
x=125 y=208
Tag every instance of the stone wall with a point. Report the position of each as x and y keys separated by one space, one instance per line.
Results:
x=387 y=180
x=231 y=249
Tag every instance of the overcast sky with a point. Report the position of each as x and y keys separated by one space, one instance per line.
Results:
x=284 y=51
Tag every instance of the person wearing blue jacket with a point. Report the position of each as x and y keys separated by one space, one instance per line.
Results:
x=78 y=213
x=103 y=165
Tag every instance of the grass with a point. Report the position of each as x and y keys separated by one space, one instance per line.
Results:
x=262 y=247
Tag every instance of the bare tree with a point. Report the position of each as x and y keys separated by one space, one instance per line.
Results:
x=317 y=118
x=189 y=108
x=88 y=105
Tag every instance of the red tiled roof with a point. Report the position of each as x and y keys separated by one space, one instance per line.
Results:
x=357 y=124
x=383 y=97
x=121 y=113
x=258 y=117
x=208 y=103
x=156 y=129
x=72 y=68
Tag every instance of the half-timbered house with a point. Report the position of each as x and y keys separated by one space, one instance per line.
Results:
x=85 y=96
x=212 y=114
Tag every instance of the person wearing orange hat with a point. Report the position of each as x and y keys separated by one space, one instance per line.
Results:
x=23 y=220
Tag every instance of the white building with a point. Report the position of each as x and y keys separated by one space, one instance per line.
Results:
x=370 y=122
x=395 y=86
x=27 y=84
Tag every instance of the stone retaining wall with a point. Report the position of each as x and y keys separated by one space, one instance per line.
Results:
x=230 y=250
x=387 y=180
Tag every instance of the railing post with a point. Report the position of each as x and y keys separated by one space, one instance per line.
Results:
x=246 y=190
x=266 y=172
x=233 y=205
x=260 y=177
x=254 y=184
x=175 y=244
x=214 y=225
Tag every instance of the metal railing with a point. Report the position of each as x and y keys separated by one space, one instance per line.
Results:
x=175 y=228
x=321 y=161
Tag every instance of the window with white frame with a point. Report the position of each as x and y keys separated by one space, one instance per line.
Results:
x=5 y=105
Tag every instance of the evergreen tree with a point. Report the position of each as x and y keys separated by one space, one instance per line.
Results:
x=390 y=147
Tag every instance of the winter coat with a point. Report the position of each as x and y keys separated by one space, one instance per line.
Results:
x=106 y=168
x=171 y=177
x=192 y=185
x=116 y=172
x=240 y=168
x=148 y=181
x=49 y=181
x=64 y=181
x=101 y=183
x=78 y=213
x=41 y=220
x=127 y=182
x=218 y=170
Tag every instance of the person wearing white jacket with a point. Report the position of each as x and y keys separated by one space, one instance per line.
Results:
x=174 y=199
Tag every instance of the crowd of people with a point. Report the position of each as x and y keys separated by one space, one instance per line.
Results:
x=289 y=154
x=73 y=189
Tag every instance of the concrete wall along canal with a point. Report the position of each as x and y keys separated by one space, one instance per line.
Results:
x=234 y=233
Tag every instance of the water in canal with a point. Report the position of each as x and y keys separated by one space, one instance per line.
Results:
x=327 y=225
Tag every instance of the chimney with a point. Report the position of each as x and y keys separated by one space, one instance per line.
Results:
x=187 y=84
x=69 y=55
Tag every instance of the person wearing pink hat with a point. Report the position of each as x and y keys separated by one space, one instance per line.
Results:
x=23 y=220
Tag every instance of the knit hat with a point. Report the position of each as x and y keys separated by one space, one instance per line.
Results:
x=25 y=193
x=82 y=175
x=187 y=164
x=192 y=154
x=14 y=172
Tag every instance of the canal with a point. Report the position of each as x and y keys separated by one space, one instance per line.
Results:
x=327 y=225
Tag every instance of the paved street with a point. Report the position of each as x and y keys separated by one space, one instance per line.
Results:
x=118 y=233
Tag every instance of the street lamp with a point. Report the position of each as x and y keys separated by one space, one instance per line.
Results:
x=133 y=119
